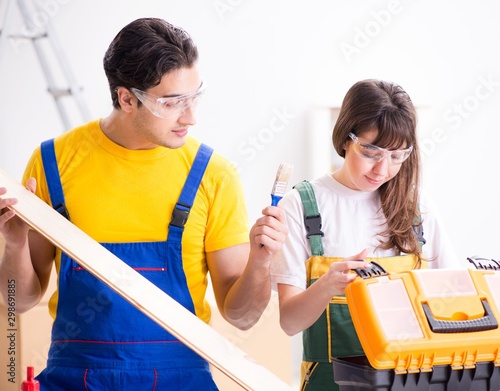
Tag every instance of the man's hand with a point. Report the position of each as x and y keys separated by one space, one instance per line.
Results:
x=269 y=231
x=14 y=230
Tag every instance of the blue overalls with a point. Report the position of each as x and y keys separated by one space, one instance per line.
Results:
x=100 y=341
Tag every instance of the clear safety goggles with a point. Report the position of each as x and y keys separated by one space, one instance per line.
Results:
x=376 y=154
x=169 y=107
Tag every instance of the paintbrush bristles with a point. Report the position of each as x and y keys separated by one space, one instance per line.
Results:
x=282 y=177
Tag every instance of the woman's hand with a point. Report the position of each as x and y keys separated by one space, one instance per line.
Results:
x=338 y=276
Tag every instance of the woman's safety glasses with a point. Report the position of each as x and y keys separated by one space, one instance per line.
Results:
x=169 y=107
x=376 y=154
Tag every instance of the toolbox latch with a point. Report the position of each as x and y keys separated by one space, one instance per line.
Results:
x=484 y=263
x=374 y=270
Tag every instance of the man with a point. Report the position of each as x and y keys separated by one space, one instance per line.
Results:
x=158 y=199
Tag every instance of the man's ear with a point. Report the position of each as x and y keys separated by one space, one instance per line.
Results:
x=126 y=99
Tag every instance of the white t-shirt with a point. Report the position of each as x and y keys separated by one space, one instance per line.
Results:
x=351 y=220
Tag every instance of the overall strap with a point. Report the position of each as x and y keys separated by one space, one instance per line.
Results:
x=312 y=217
x=52 y=177
x=418 y=228
x=181 y=210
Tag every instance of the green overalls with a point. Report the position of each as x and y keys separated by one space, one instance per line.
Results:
x=333 y=334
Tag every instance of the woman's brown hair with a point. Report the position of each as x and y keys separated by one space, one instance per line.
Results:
x=386 y=107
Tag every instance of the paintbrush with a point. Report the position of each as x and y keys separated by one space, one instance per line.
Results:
x=282 y=176
x=280 y=183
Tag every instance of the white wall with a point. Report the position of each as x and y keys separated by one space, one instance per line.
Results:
x=268 y=61
x=262 y=58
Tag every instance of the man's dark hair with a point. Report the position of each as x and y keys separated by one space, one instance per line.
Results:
x=143 y=52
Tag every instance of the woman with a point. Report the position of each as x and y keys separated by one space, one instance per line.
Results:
x=371 y=209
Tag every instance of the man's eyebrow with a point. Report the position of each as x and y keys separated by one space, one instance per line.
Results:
x=181 y=95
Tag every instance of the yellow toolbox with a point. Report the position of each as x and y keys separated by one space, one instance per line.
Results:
x=425 y=330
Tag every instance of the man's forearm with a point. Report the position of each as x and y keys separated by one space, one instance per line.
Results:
x=248 y=297
x=19 y=279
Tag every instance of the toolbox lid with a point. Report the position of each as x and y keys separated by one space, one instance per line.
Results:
x=414 y=320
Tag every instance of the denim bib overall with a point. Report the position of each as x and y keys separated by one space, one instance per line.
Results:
x=100 y=341
x=333 y=334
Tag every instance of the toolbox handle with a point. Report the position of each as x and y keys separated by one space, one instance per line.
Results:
x=487 y=322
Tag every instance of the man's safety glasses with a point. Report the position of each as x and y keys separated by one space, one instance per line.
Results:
x=376 y=154
x=169 y=107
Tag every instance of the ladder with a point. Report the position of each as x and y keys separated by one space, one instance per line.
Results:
x=38 y=30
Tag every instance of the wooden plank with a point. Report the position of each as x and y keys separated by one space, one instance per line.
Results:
x=140 y=292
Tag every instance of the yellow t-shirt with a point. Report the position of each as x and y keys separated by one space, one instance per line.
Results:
x=118 y=195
